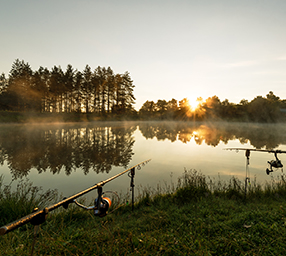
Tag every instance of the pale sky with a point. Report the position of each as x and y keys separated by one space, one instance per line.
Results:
x=235 y=49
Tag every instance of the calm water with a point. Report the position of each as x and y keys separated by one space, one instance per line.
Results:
x=73 y=157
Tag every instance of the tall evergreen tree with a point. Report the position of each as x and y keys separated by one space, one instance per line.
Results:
x=69 y=88
x=40 y=89
x=3 y=83
x=56 y=89
x=87 y=87
x=20 y=80
x=103 y=89
x=96 y=89
x=4 y=101
x=110 y=89
x=77 y=91
x=125 y=95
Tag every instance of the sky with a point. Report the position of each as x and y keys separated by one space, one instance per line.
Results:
x=171 y=48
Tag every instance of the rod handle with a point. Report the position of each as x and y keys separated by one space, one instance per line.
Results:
x=35 y=218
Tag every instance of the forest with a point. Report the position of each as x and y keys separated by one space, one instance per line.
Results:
x=105 y=94
x=261 y=109
x=98 y=91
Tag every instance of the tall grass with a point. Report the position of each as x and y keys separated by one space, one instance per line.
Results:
x=195 y=216
x=197 y=185
x=192 y=186
x=18 y=202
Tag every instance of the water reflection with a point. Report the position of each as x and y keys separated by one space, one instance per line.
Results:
x=258 y=135
x=66 y=148
x=99 y=147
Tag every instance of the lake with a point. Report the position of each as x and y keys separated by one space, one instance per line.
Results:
x=72 y=157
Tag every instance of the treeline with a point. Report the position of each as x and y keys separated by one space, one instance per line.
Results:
x=99 y=91
x=103 y=93
x=261 y=109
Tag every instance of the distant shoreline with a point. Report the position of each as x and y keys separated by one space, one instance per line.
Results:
x=7 y=117
x=35 y=117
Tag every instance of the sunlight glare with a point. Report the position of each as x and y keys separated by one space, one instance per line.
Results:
x=195 y=103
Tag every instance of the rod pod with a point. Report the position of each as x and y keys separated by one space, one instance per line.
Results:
x=131 y=175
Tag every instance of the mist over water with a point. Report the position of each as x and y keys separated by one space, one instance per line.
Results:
x=72 y=157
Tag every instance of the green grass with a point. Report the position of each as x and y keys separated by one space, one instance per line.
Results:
x=194 y=217
x=21 y=201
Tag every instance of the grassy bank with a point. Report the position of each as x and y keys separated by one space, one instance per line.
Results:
x=196 y=217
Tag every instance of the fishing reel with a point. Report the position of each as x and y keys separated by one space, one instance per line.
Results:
x=101 y=204
x=102 y=207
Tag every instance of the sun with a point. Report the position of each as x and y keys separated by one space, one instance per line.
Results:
x=195 y=103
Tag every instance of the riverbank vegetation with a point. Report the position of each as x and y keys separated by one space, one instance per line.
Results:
x=101 y=94
x=196 y=216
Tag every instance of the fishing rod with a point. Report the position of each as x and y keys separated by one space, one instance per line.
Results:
x=272 y=163
x=101 y=204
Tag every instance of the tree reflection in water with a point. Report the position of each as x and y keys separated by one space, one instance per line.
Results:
x=258 y=135
x=65 y=148
x=100 y=146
